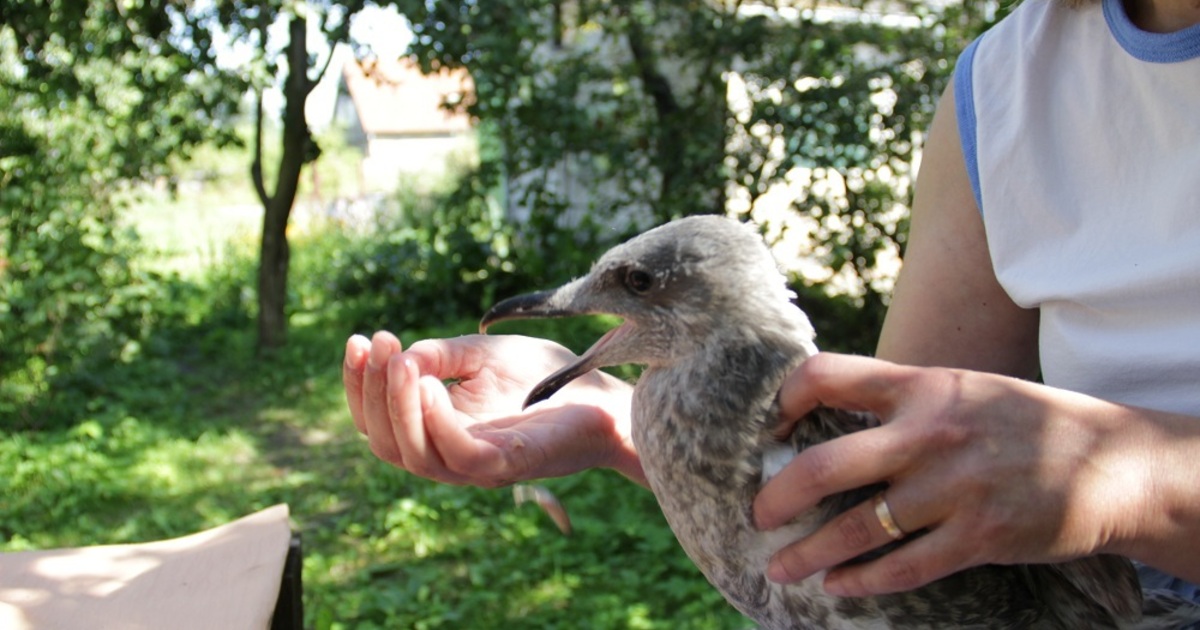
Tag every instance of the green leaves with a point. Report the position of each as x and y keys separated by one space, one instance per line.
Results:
x=659 y=109
x=89 y=100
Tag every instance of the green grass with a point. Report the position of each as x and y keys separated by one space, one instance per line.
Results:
x=193 y=431
x=192 y=233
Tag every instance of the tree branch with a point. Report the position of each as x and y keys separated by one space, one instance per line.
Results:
x=256 y=167
x=657 y=85
x=312 y=83
x=729 y=18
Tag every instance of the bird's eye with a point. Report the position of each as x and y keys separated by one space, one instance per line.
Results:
x=638 y=281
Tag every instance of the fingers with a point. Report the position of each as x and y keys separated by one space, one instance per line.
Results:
x=406 y=418
x=908 y=452
x=848 y=536
x=355 y=362
x=446 y=358
x=916 y=563
x=455 y=454
x=879 y=454
x=375 y=399
x=472 y=432
x=843 y=382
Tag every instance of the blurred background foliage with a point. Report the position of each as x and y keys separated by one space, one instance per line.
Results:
x=132 y=405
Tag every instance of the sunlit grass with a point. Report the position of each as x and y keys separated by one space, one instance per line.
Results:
x=194 y=431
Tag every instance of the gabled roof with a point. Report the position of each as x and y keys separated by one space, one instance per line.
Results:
x=392 y=97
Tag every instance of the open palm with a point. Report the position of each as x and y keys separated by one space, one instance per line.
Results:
x=450 y=409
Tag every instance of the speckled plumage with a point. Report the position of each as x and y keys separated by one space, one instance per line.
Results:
x=709 y=314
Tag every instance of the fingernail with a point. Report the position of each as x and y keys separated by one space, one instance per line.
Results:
x=835 y=587
x=410 y=369
x=378 y=356
x=397 y=366
x=356 y=347
x=777 y=573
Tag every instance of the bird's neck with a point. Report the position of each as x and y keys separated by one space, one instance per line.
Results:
x=712 y=412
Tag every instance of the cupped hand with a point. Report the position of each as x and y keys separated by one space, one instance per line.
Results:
x=992 y=470
x=450 y=409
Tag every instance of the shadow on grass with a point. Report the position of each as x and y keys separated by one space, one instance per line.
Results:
x=196 y=432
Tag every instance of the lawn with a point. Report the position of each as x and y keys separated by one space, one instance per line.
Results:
x=192 y=431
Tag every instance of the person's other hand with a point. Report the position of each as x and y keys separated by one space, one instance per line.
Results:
x=993 y=470
x=450 y=410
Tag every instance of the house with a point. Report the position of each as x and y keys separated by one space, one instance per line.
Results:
x=403 y=120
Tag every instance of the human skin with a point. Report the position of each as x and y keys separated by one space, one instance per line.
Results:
x=1163 y=16
x=474 y=431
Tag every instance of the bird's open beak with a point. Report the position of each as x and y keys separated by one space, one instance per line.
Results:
x=562 y=302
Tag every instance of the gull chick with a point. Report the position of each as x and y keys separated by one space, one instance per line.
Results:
x=708 y=313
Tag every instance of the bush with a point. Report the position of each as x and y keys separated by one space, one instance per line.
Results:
x=71 y=294
x=437 y=259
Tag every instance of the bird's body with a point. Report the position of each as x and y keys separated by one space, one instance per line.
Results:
x=709 y=314
x=706 y=483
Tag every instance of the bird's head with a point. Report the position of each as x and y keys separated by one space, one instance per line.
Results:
x=680 y=287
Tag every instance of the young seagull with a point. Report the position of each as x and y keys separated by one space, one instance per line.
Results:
x=709 y=314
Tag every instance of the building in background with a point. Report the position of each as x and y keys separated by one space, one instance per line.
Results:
x=403 y=121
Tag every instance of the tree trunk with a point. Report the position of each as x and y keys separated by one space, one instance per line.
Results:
x=689 y=139
x=277 y=207
x=272 y=278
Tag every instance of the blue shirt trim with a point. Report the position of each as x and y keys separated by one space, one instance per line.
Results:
x=964 y=105
x=1152 y=47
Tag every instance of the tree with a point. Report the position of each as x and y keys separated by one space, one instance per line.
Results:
x=89 y=98
x=298 y=146
x=639 y=93
x=633 y=95
x=147 y=83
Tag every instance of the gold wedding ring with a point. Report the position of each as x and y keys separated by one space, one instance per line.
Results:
x=884 y=514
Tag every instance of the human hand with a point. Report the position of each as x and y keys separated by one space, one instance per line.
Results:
x=995 y=471
x=473 y=431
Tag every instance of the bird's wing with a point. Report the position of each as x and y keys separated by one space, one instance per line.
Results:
x=1107 y=585
x=1112 y=583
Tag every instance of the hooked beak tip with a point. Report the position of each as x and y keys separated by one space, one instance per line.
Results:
x=538 y=394
x=528 y=306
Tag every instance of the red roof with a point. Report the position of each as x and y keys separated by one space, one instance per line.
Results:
x=392 y=97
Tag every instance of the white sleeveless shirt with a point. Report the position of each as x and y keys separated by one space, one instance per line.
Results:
x=1081 y=135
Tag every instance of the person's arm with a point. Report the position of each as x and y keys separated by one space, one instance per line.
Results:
x=948 y=309
x=996 y=469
